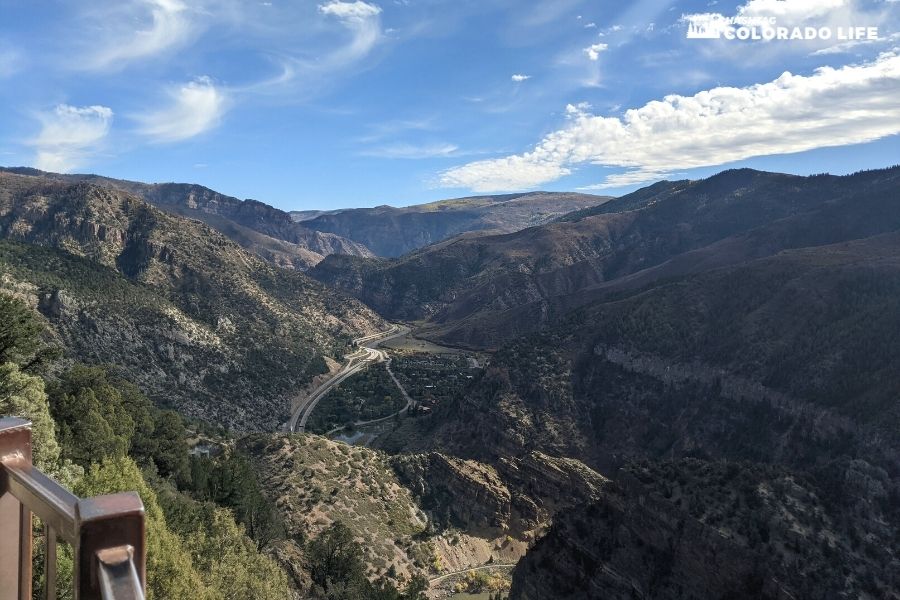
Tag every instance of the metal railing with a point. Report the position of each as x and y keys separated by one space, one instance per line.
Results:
x=106 y=532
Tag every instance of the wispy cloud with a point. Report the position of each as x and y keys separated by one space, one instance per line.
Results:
x=164 y=26
x=519 y=78
x=855 y=45
x=387 y=129
x=363 y=20
x=194 y=108
x=69 y=135
x=10 y=61
x=794 y=113
x=412 y=151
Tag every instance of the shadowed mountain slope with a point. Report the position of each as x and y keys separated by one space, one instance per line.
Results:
x=482 y=291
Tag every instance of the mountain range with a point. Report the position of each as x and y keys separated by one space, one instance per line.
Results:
x=392 y=232
x=301 y=239
x=483 y=291
x=749 y=319
x=691 y=390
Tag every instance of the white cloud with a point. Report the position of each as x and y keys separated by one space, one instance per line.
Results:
x=350 y=11
x=195 y=107
x=853 y=45
x=794 y=113
x=411 y=151
x=363 y=20
x=593 y=51
x=787 y=13
x=69 y=135
x=167 y=25
x=518 y=78
x=792 y=10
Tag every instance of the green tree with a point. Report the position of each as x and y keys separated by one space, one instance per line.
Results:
x=417 y=588
x=21 y=331
x=336 y=563
x=230 y=562
x=165 y=445
x=93 y=422
x=231 y=482
x=22 y=395
x=170 y=571
x=102 y=416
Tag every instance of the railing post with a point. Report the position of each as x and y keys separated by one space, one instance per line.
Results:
x=15 y=518
x=110 y=553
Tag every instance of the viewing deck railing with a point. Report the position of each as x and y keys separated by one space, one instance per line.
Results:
x=106 y=532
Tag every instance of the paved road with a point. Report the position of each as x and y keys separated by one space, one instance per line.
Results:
x=434 y=580
x=354 y=363
x=409 y=401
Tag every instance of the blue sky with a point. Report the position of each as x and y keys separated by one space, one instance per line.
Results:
x=327 y=104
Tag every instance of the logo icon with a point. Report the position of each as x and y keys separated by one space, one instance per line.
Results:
x=705 y=27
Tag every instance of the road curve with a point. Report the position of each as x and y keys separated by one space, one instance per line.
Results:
x=354 y=363
x=434 y=580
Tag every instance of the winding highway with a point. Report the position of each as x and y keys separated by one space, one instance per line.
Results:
x=367 y=354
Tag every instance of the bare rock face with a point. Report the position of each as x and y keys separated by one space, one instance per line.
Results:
x=518 y=495
x=542 y=485
x=464 y=492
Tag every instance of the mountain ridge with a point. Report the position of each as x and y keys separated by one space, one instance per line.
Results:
x=267 y=231
x=182 y=307
x=481 y=291
x=390 y=231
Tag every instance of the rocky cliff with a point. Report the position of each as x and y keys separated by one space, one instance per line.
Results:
x=198 y=322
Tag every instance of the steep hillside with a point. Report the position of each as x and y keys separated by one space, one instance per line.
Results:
x=482 y=291
x=789 y=359
x=425 y=513
x=198 y=322
x=696 y=529
x=787 y=362
x=392 y=232
x=266 y=231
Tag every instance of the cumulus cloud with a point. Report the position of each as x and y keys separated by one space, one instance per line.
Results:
x=166 y=25
x=518 y=78
x=194 y=108
x=794 y=113
x=593 y=51
x=69 y=135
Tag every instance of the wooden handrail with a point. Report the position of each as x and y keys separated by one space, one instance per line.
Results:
x=107 y=532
